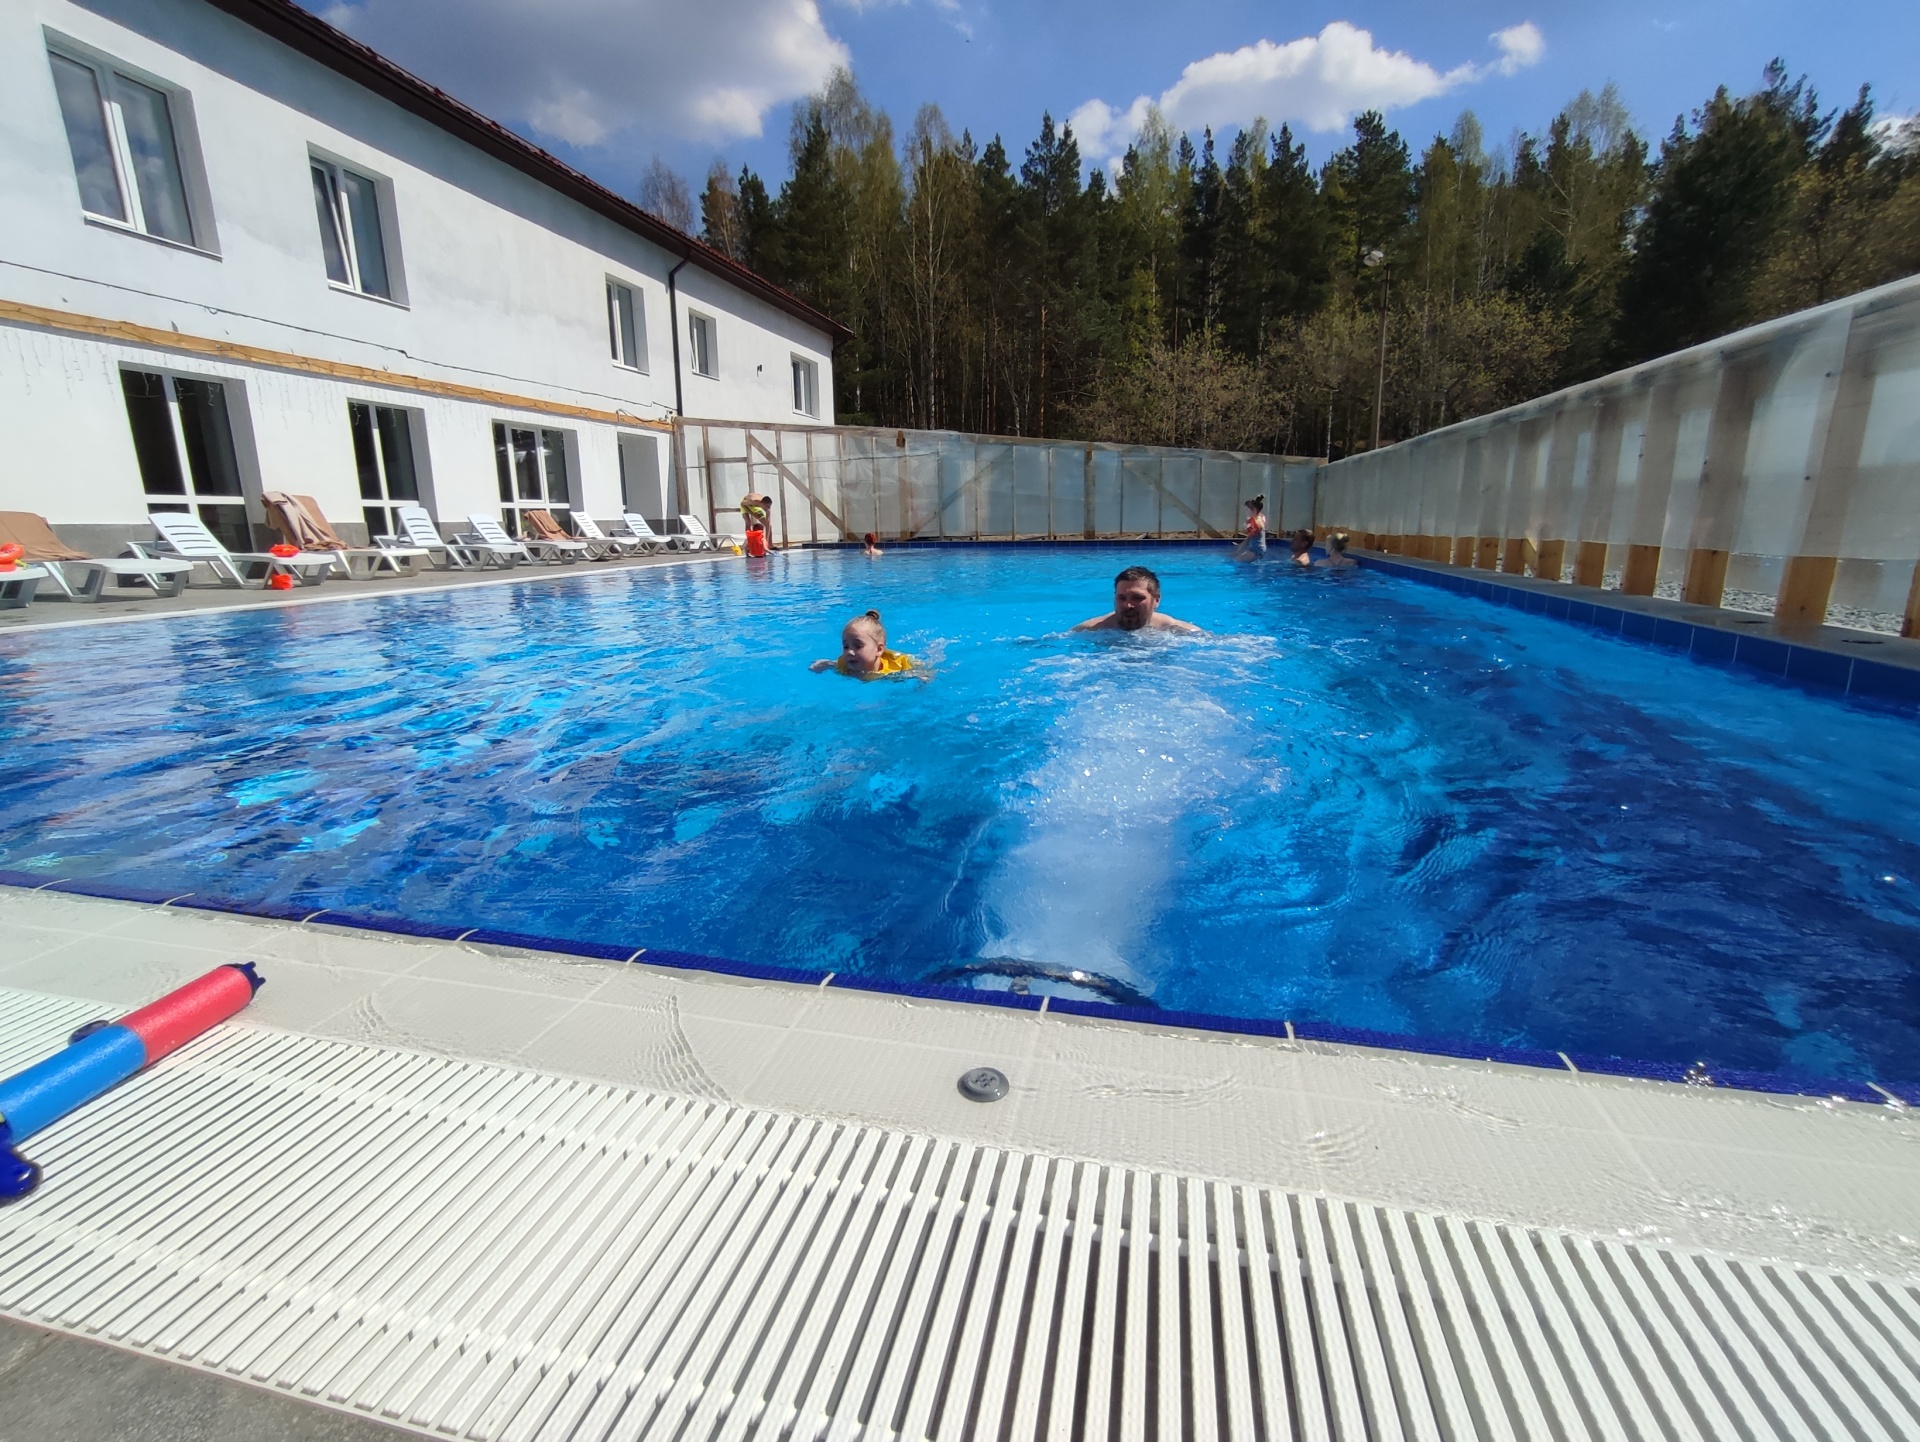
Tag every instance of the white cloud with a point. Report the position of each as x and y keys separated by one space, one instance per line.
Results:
x=585 y=71
x=1520 y=46
x=1318 y=82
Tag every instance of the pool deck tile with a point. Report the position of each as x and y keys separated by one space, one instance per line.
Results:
x=1805 y=1179
x=399 y=926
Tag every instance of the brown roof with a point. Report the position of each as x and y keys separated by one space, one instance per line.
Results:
x=340 y=52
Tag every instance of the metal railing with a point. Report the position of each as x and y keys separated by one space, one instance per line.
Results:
x=836 y=483
x=1777 y=469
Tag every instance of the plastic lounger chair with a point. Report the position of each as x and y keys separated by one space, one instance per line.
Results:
x=645 y=534
x=542 y=535
x=699 y=538
x=18 y=585
x=56 y=558
x=183 y=536
x=301 y=523
x=487 y=542
x=610 y=545
x=420 y=534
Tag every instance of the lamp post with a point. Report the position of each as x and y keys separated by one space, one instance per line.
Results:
x=1377 y=259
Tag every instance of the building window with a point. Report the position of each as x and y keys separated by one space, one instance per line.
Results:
x=125 y=152
x=348 y=204
x=700 y=343
x=806 y=387
x=531 y=466
x=383 y=456
x=184 y=441
x=626 y=326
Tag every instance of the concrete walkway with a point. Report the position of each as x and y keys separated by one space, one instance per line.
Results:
x=51 y=608
x=57 y=1388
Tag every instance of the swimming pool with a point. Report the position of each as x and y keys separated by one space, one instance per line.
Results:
x=1360 y=801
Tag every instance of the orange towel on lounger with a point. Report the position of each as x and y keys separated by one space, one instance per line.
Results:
x=543 y=526
x=299 y=522
x=34 y=536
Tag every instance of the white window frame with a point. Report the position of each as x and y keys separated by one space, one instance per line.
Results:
x=806 y=386
x=191 y=499
x=414 y=423
x=549 y=442
x=186 y=148
x=340 y=206
x=698 y=322
x=637 y=300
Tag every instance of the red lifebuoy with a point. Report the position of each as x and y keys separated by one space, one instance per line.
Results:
x=279 y=581
x=10 y=555
x=283 y=550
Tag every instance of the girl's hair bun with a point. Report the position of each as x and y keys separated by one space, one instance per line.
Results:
x=873 y=615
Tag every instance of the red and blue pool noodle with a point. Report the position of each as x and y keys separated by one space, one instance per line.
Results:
x=98 y=1059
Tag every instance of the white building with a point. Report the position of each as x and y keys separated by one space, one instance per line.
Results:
x=239 y=251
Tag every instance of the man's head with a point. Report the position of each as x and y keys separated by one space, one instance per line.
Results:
x=1136 y=596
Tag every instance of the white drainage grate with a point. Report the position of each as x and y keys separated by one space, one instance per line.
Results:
x=489 y=1253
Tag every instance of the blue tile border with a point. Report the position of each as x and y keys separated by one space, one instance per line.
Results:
x=596 y=950
x=1905 y=1093
x=1823 y=670
x=932 y=991
x=111 y=890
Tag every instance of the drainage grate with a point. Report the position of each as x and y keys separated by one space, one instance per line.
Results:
x=491 y=1253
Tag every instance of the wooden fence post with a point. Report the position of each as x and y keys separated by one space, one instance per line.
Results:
x=1653 y=486
x=1806 y=586
x=1723 y=478
x=1590 y=564
x=1642 y=571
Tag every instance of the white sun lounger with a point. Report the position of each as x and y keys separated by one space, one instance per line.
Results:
x=544 y=536
x=18 y=585
x=166 y=577
x=645 y=534
x=489 y=542
x=420 y=534
x=609 y=544
x=182 y=535
x=698 y=537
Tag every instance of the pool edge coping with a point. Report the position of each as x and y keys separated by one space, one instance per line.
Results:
x=1804 y=658
x=1897 y=1096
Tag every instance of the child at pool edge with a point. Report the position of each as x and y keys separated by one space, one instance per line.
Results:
x=864 y=653
x=870 y=545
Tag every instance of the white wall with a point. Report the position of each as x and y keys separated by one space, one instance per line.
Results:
x=504 y=280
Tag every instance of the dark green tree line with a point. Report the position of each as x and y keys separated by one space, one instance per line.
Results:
x=1228 y=294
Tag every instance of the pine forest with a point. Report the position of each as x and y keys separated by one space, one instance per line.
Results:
x=1230 y=294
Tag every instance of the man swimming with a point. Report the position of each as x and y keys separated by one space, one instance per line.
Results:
x=1136 y=607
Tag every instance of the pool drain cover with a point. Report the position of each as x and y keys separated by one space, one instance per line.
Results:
x=983 y=1084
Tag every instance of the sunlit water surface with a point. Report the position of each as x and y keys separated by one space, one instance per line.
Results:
x=1359 y=800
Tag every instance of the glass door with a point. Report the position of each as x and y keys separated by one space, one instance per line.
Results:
x=183 y=438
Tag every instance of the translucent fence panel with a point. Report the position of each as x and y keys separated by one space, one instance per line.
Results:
x=1777 y=470
x=832 y=484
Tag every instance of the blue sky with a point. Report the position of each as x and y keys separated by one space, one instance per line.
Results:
x=608 y=84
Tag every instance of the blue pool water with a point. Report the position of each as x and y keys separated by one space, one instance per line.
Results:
x=1360 y=801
